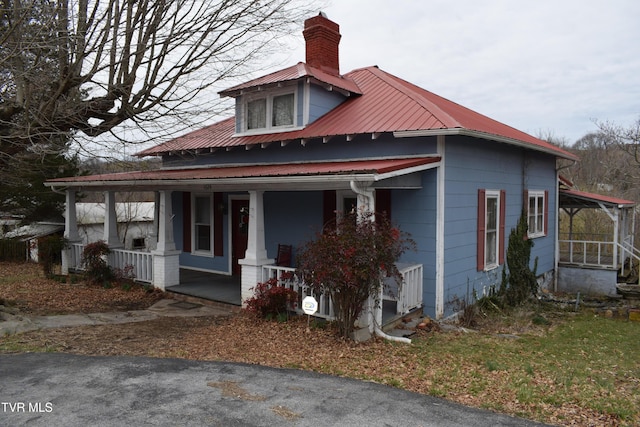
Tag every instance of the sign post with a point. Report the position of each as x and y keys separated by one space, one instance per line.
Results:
x=309 y=306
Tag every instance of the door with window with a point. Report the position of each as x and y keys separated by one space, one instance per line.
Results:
x=239 y=232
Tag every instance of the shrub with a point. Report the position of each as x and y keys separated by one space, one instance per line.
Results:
x=351 y=261
x=271 y=300
x=94 y=259
x=520 y=282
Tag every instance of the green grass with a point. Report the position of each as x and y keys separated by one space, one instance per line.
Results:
x=587 y=361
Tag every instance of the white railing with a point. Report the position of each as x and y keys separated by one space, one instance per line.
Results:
x=287 y=278
x=633 y=255
x=408 y=296
x=76 y=257
x=588 y=253
x=141 y=262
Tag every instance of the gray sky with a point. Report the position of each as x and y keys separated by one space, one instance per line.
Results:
x=546 y=67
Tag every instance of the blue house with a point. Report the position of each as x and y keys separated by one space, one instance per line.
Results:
x=307 y=142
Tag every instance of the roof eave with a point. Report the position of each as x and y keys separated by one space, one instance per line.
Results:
x=483 y=135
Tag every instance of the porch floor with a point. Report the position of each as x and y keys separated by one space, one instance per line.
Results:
x=210 y=286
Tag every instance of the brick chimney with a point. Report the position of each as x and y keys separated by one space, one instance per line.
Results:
x=322 y=37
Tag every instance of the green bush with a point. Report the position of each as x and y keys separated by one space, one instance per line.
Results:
x=520 y=282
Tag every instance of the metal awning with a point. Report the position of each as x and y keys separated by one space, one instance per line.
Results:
x=579 y=199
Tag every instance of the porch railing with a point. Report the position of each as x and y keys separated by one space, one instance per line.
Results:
x=408 y=296
x=140 y=262
x=591 y=253
x=287 y=278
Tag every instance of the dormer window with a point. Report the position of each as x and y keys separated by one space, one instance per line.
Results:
x=270 y=111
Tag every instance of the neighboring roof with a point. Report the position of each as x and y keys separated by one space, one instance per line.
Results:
x=94 y=213
x=388 y=104
x=293 y=73
x=575 y=198
x=34 y=231
x=370 y=169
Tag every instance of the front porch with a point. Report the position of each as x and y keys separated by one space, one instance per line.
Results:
x=596 y=249
x=397 y=301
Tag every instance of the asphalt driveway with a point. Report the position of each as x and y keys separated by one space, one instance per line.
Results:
x=55 y=389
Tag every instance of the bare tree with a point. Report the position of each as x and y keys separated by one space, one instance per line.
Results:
x=89 y=65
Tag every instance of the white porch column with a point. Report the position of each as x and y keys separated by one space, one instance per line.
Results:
x=372 y=313
x=70 y=230
x=152 y=240
x=166 y=259
x=111 y=221
x=256 y=255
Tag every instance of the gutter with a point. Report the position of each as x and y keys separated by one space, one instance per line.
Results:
x=483 y=135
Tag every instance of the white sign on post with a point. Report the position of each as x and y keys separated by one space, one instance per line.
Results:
x=309 y=305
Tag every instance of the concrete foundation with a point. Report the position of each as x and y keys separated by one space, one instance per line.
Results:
x=588 y=281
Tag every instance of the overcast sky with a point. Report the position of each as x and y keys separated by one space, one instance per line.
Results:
x=546 y=67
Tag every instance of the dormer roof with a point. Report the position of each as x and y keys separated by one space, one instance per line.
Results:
x=294 y=73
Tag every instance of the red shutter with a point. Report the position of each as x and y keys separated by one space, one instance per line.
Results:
x=383 y=202
x=328 y=208
x=546 y=212
x=525 y=211
x=503 y=210
x=186 y=221
x=481 y=228
x=218 y=243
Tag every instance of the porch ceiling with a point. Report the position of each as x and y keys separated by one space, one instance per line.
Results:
x=287 y=177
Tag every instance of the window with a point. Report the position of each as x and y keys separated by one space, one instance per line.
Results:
x=491 y=230
x=282 y=110
x=257 y=114
x=270 y=112
x=202 y=223
x=491 y=218
x=537 y=211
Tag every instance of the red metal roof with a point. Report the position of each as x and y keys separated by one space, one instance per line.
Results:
x=598 y=198
x=376 y=167
x=387 y=104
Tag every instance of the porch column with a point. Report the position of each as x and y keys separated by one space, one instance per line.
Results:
x=372 y=313
x=256 y=255
x=70 y=230
x=166 y=259
x=152 y=240
x=111 y=221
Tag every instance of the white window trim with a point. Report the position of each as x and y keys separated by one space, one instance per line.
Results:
x=492 y=194
x=539 y=210
x=194 y=236
x=269 y=111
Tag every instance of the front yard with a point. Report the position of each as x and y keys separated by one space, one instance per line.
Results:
x=544 y=363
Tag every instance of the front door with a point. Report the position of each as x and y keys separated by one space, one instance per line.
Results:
x=239 y=232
